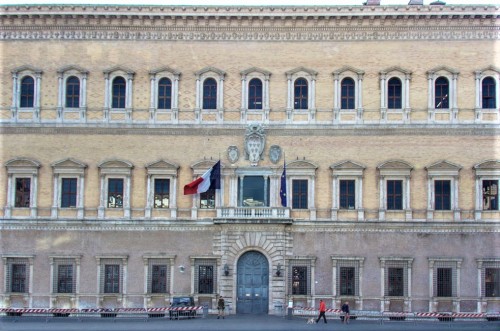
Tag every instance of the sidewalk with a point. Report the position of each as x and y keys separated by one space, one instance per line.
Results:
x=232 y=323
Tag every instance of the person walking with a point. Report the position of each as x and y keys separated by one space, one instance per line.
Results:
x=322 y=311
x=220 y=307
x=345 y=310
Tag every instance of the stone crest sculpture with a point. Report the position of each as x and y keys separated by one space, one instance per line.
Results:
x=255 y=141
x=233 y=154
x=275 y=154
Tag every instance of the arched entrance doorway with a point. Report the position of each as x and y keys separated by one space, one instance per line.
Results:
x=253 y=284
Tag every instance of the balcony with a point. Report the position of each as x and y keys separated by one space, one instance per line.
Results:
x=253 y=215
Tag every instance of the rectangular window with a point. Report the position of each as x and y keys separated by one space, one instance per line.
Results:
x=207 y=199
x=115 y=193
x=162 y=193
x=347 y=194
x=492 y=282
x=394 y=195
x=299 y=280
x=65 y=279
x=442 y=198
x=159 y=278
x=490 y=194
x=395 y=280
x=255 y=191
x=23 y=192
x=68 y=192
x=299 y=194
x=347 y=280
x=206 y=279
x=18 y=278
x=111 y=278
x=444 y=281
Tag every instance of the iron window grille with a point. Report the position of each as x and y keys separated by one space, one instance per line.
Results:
x=205 y=276
x=299 y=277
x=17 y=273
x=111 y=275
x=348 y=277
x=396 y=276
x=158 y=276
x=490 y=278
x=445 y=276
x=64 y=280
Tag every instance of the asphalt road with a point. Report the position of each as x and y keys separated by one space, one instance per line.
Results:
x=233 y=323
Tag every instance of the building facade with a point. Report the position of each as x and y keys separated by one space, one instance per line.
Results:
x=385 y=118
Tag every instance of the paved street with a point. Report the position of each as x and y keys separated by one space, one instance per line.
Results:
x=239 y=323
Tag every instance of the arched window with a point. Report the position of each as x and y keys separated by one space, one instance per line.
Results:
x=394 y=93
x=441 y=93
x=348 y=100
x=118 y=92
x=165 y=94
x=300 y=94
x=210 y=94
x=27 y=96
x=489 y=93
x=72 y=92
x=255 y=94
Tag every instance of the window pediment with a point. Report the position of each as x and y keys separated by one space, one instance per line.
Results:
x=490 y=70
x=116 y=167
x=443 y=70
x=69 y=163
x=208 y=70
x=72 y=68
x=488 y=168
x=257 y=71
x=200 y=167
x=301 y=167
x=443 y=168
x=118 y=70
x=395 y=164
x=348 y=71
x=165 y=69
x=27 y=68
x=395 y=70
x=301 y=70
x=347 y=165
x=22 y=163
x=162 y=167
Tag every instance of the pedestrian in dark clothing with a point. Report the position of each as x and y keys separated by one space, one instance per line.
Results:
x=322 y=311
x=220 y=307
x=345 y=310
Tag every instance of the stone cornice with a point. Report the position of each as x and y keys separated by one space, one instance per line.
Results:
x=231 y=23
x=238 y=130
x=418 y=228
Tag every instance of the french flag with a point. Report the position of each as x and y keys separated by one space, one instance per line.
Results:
x=209 y=180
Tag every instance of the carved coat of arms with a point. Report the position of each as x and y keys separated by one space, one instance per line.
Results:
x=255 y=141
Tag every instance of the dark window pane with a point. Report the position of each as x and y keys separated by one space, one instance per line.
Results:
x=119 y=92
x=442 y=189
x=65 y=278
x=299 y=194
x=205 y=279
x=300 y=94
x=207 y=199
x=115 y=193
x=441 y=93
x=444 y=282
x=347 y=96
x=394 y=194
x=255 y=94
x=489 y=93
x=394 y=93
x=27 y=97
x=18 y=278
x=210 y=94
x=164 y=94
x=490 y=194
x=159 y=279
x=299 y=280
x=347 y=280
x=72 y=92
x=347 y=194
x=255 y=191
x=68 y=192
x=112 y=278
x=23 y=190
x=162 y=193
x=395 y=280
x=492 y=282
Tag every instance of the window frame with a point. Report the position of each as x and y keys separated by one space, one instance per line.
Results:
x=59 y=260
x=114 y=169
x=345 y=115
x=18 y=74
x=150 y=260
x=199 y=168
x=161 y=169
x=68 y=168
x=483 y=264
x=346 y=171
x=201 y=76
x=451 y=75
x=301 y=170
x=300 y=194
x=443 y=170
x=395 y=170
x=21 y=168
x=339 y=262
x=207 y=261
x=310 y=77
x=347 y=101
x=480 y=75
x=304 y=263
x=404 y=263
x=112 y=260
x=488 y=170
x=17 y=259
x=441 y=263
x=109 y=78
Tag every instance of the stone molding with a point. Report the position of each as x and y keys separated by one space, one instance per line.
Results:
x=231 y=23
